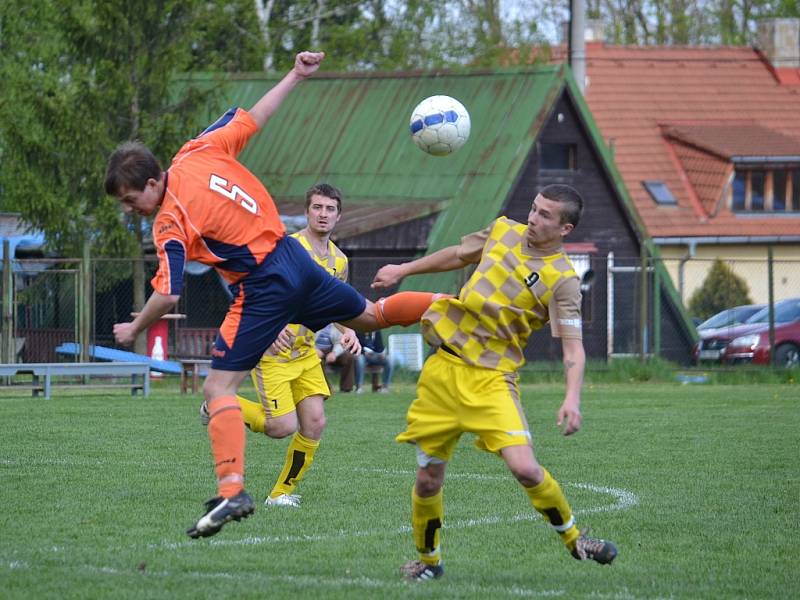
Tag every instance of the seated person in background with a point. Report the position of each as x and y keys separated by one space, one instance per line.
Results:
x=332 y=353
x=373 y=352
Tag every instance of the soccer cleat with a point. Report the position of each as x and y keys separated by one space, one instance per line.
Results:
x=292 y=500
x=219 y=511
x=205 y=417
x=416 y=570
x=600 y=551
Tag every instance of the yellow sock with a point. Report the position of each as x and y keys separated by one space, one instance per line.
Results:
x=548 y=499
x=299 y=456
x=426 y=521
x=253 y=414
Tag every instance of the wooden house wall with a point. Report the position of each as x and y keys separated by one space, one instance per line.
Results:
x=604 y=224
x=369 y=251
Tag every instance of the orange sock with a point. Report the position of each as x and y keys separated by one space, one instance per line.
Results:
x=226 y=432
x=404 y=308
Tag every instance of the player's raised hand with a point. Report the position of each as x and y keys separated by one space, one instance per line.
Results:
x=306 y=63
x=387 y=276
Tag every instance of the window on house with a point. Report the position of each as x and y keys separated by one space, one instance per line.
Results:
x=659 y=191
x=757 y=190
x=738 y=188
x=779 y=190
x=557 y=157
x=766 y=190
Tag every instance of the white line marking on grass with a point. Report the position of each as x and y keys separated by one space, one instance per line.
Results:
x=317 y=582
x=624 y=500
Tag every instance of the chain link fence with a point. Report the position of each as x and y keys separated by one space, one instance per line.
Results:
x=627 y=310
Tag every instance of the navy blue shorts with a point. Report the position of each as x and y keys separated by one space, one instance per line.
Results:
x=288 y=287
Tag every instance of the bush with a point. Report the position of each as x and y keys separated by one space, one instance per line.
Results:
x=721 y=289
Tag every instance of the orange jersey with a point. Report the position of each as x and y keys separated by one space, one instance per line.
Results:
x=214 y=210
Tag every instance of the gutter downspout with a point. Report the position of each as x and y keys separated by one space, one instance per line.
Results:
x=690 y=254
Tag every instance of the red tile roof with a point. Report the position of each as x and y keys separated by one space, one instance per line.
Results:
x=672 y=114
x=787 y=75
x=735 y=139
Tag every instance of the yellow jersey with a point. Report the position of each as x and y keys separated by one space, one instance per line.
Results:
x=335 y=263
x=514 y=291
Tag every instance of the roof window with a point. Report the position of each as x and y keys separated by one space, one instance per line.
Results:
x=659 y=191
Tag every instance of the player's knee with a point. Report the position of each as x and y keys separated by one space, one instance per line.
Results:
x=279 y=428
x=528 y=474
x=313 y=427
x=429 y=482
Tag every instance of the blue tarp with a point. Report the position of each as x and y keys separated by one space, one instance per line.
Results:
x=112 y=354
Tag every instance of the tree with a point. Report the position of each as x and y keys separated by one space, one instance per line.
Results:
x=80 y=77
x=721 y=289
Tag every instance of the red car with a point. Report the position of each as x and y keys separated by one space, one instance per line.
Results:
x=714 y=334
x=749 y=342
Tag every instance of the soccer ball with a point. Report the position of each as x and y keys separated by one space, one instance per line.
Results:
x=440 y=125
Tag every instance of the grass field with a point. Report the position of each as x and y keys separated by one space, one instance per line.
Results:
x=698 y=485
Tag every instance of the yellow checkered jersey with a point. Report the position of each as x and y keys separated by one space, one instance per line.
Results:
x=514 y=291
x=334 y=263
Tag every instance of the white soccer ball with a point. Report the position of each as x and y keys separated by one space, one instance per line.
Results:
x=440 y=125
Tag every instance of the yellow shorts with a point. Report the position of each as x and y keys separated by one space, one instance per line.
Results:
x=282 y=385
x=454 y=397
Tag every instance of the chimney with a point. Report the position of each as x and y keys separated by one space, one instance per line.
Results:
x=779 y=40
x=595 y=30
x=577 y=42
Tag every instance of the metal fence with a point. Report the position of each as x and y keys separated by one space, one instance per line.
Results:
x=48 y=302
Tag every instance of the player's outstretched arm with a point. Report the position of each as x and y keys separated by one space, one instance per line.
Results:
x=569 y=415
x=446 y=259
x=305 y=65
x=156 y=307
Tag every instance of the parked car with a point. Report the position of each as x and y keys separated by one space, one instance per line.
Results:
x=713 y=331
x=749 y=342
x=730 y=317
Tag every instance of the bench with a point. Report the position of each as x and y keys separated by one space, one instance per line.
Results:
x=191 y=370
x=194 y=342
x=109 y=369
x=376 y=371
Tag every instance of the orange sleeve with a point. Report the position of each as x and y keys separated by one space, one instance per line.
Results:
x=170 y=242
x=231 y=131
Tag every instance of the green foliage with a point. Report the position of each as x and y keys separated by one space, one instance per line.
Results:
x=81 y=77
x=721 y=289
x=96 y=502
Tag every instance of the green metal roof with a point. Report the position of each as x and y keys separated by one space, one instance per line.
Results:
x=353 y=131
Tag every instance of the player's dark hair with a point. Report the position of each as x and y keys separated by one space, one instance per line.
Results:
x=324 y=189
x=570 y=200
x=129 y=167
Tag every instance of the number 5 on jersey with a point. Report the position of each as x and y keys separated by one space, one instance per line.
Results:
x=233 y=192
